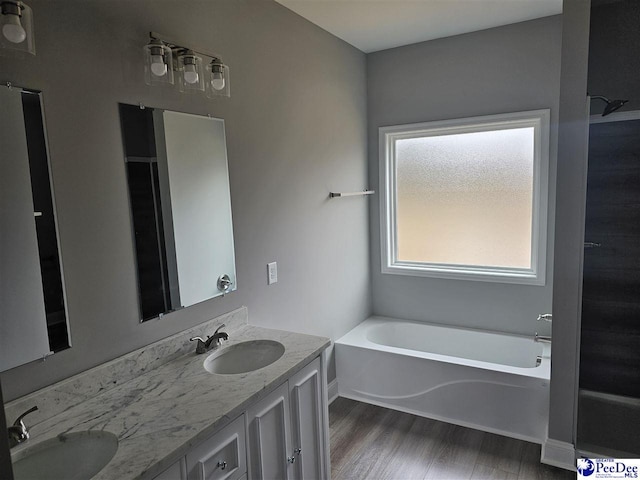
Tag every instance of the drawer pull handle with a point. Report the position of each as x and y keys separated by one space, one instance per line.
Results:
x=291 y=459
x=297 y=451
x=222 y=465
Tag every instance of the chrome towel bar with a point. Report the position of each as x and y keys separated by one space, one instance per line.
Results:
x=350 y=194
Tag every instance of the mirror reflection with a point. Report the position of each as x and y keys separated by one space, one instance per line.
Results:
x=180 y=203
x=33 y=319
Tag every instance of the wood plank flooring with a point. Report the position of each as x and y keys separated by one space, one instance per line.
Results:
x=369 y=442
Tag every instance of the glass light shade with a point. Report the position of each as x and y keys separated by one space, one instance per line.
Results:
x=218 y=80
x=16 y=27
x=158 y=64
x=191 y=75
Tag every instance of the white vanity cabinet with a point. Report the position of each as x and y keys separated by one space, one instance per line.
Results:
x=286 y=430
x=283 y=436
x=269 y=437
x=308 y=416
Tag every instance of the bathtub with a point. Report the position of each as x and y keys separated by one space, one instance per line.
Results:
x=493 y=382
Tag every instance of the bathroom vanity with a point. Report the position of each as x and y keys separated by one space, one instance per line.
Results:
x=175 y=420
x=280 y=436
x=254 y=407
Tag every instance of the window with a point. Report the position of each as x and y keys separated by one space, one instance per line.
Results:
x=466 y=198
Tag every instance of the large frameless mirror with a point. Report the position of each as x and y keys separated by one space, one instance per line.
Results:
x=180 y=207
x=33 y=319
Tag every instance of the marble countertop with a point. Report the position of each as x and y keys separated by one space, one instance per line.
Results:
x=161 y=414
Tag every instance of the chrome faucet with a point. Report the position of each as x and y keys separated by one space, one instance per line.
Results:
x=547 y=317
x=18 y=432
x=211 y=342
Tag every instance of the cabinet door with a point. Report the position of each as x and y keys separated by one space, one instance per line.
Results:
x=222 y=456
x=269 y=445
x=307 y=422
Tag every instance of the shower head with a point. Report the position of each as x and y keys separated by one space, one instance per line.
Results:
x=612 y=105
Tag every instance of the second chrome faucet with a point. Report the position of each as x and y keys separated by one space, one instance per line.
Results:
x=547 y=317
x=211 y=342
x=18 y=432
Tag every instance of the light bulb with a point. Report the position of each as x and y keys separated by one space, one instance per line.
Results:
x=158 y=67
x=190 y=74
x=217 y=80
x=12 y=30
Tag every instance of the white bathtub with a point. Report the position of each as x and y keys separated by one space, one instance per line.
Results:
x=488 y=381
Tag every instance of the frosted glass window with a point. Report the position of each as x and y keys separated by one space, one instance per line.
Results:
x=466 y=198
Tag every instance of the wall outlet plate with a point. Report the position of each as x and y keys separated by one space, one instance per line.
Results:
x=272 y=273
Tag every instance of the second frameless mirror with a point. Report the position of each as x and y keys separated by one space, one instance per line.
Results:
x=33 y=316
x=180 y=207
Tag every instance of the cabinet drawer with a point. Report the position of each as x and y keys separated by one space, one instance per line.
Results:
x=174 y=472
x=222 y=456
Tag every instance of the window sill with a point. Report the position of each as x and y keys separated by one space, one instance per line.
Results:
x=458 y=272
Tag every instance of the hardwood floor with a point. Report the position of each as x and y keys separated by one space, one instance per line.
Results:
x=369 y=442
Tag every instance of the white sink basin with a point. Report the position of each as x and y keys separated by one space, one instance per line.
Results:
x=71 y=456
x=244 y=357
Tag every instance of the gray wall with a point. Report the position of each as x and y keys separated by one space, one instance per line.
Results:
x=296 y=129
x=569 y=235
x=504 y=69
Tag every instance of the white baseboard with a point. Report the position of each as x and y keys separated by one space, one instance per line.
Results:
x=332 y=390
x=559 y=454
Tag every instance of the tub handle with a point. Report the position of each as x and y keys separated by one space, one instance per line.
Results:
x=547 y=317
x=541 y=338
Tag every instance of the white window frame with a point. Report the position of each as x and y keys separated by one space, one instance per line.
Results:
x=536 y=275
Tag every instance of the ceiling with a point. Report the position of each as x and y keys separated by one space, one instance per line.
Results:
x=372 y=25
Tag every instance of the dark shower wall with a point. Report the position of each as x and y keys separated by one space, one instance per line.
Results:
x=610 y=352
x=614 y=52
x=610 y=347
x=608 y=412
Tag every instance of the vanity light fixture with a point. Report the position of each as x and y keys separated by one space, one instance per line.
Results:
x=17 y=26
x=217 y=79
x=163 y=58
x=192 y=76
x=158 y=63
